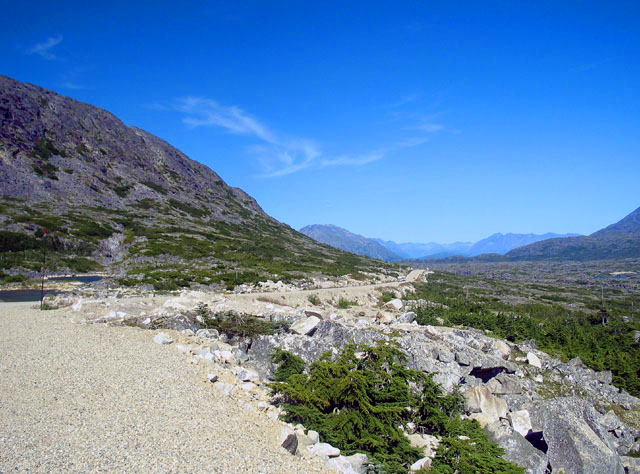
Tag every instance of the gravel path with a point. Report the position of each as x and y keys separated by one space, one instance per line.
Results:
x=76 y=398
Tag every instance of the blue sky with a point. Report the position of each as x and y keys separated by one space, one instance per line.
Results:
x=409 y=121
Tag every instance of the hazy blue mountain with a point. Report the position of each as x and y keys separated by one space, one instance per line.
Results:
x=419 y=250
x=344 y=240
x=502 y=243
x=619 y=240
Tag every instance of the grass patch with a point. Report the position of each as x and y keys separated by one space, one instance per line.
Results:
x=314 y=300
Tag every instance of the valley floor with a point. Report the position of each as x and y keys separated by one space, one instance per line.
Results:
x=92 y=398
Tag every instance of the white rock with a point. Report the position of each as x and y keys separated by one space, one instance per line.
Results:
x=340 y=464
x=421 y=463
x=314 y=436
x=325 y=449
x=305 y=326
x=534 y=360
x=207 y=356
x=162 y=338
x=394 y=304
x=223 y=356
x=77 y=306
x=225 y=388
x=147 y=321
x=183 y=349
x=520 y=422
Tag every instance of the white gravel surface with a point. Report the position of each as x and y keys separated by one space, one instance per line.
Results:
x=91 y=398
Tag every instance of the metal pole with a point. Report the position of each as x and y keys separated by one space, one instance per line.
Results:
x=44 y=262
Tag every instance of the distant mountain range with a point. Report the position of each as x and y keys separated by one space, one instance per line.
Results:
x=619 y=240
x=344 y=240
x=388 y=250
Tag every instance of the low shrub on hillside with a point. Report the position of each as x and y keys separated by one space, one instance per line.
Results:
x=359 y=401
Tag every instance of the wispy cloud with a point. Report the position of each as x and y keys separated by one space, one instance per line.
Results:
x=44 y=49
x=589 y=66
x=278 y=154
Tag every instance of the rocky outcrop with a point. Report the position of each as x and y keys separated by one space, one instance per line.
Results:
x=506 y=393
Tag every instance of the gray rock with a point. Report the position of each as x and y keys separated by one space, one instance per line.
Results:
x=162 y=338
x=247 y=375
x=520 y=451
x=212 y=378
x=358 y=462
x=207 y=333
x=576 y=441
x=605 y=377
x=445 y=356
x=406 y=318
x=631 y=465
x=291 y=443
x=240 y=355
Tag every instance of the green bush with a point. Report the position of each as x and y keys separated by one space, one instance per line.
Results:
x=358 y=402
x=314 y=300
x=345 y=303
x=242 y=325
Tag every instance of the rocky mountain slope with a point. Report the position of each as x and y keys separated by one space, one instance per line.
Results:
x=343 y=239
x=117 y=197
x=619 y=240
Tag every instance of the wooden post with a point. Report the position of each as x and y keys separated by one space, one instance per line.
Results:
x=44 y=263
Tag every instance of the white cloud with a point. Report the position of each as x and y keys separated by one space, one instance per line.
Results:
x=44 y=49
x=430 y=127
x=279 y=155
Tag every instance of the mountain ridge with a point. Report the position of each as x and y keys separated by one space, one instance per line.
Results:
x=345 y=240
x=116 y=197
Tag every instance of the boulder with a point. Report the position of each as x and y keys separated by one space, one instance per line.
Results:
x=576 y=441
x=207 y=333
x=605 y=377
x=534 y=360
x=325 y=450
x=313 y=436
x=395 y=304
x=162 y=338
x=247 y=375
x=520 y=451
x=479 y=400
x=520 y=422
x=291 y=443
x=406 y=318
x=305 y=327
x=424 y=463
